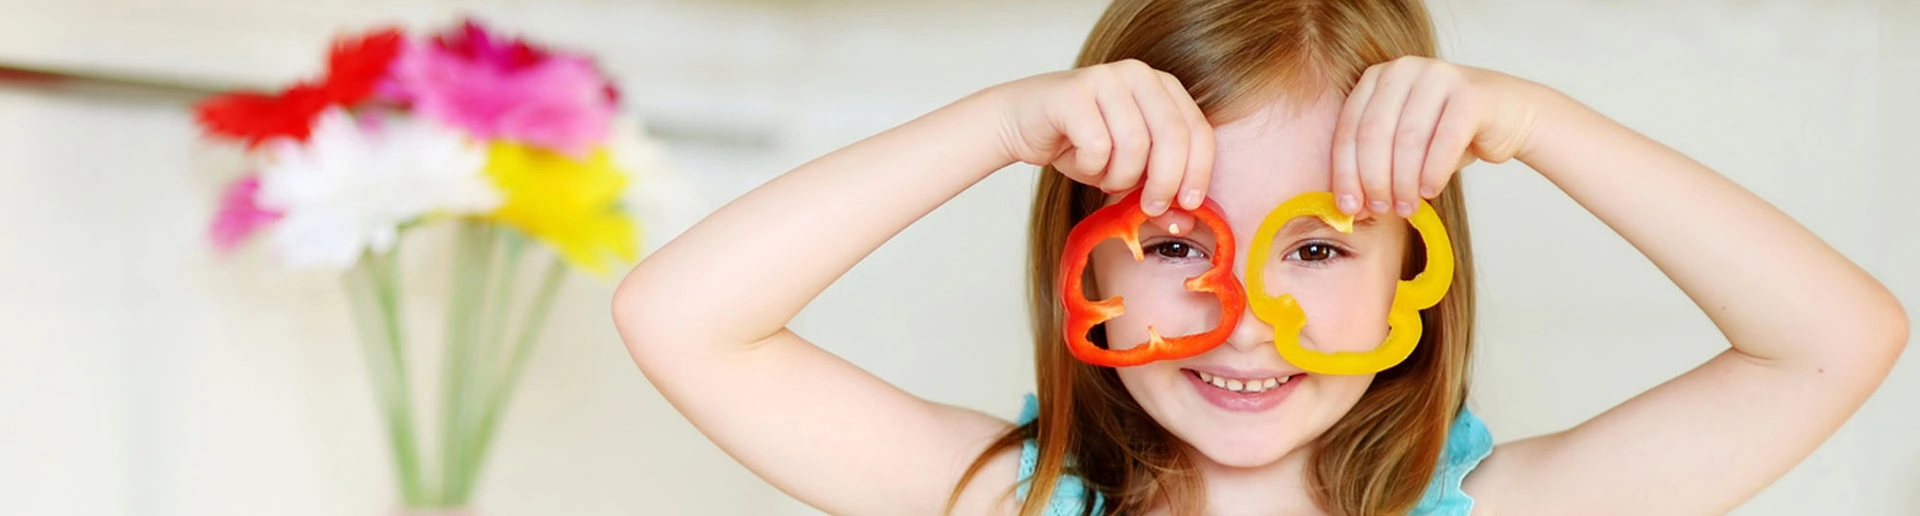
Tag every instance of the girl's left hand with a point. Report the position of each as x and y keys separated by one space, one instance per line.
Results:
x=1410 y=123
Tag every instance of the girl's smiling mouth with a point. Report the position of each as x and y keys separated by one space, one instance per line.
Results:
x=1243 y=392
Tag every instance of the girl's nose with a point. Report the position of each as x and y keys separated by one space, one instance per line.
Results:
x=1251 y=333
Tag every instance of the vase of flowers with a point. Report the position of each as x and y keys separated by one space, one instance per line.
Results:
x=513 y=144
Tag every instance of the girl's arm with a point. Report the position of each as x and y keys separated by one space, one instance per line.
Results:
x=1812 y=335
x=705 y=317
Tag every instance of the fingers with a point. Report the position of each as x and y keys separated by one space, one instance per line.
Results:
x=1447 y=153
x=1401 y=136
x=1411 y=141
x=1131 y=140
x=1141 y=129
x=1374 y=134
x=1346 y=170
x=1078 y=118
x=1198 y=174
x=1167 y=157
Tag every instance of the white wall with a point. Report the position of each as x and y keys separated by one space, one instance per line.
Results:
x=1788 y=100
x=142 y=374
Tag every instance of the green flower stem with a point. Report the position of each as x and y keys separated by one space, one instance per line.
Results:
x=504 y=384
x=374 y=295
x=502 y=296
x=479 y=371
x=472 y=260
x=484 y=361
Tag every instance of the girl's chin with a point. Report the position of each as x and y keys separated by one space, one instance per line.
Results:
x=1243 y=452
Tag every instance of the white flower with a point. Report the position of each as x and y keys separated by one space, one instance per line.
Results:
x=352 y=185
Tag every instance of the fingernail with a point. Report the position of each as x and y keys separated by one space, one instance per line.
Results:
x=1378 y=206
x=1405 y=208
x=1191 y=199
x=1156 y=208
x=1426 y=193
x=1349 y=204
x=1174 y=228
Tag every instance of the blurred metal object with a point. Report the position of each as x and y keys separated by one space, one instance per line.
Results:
x=109 y=86
x=98 y=84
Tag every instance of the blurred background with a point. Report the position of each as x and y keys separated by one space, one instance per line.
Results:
x=142 y=373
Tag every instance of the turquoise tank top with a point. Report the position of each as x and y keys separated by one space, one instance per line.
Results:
x=1468 y=442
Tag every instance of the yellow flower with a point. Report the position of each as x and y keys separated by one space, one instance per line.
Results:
x=571 y=204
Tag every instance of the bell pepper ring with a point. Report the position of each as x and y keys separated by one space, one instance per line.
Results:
x=1409 y=296
x=1122 y=220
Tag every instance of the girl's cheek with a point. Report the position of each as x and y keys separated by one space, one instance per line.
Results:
x=1345 y=312
x=1158 y=299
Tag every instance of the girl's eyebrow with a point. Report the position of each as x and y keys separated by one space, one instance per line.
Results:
x=1310 y=224
x=1200 y=234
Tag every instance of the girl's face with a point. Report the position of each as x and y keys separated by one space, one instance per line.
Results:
x=1344 y=282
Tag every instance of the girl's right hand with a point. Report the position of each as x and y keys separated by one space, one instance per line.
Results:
x=1110 y=126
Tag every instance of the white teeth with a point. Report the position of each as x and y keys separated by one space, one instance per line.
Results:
x=1243 y=386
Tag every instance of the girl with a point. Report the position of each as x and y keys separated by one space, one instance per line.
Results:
x=1245 y=104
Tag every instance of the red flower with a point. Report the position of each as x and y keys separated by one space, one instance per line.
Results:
x=354 y=67
x=257 y=117
x=357 y=65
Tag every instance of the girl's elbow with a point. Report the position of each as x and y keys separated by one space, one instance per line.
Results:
x=1894 y=333
x=636 y=310
x=1879 y=334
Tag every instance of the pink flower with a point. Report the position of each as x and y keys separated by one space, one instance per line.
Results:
x=504 y=89
x=239 y=214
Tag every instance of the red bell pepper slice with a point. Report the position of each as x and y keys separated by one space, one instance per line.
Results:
x=1122 y=220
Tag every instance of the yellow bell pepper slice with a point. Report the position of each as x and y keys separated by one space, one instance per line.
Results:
x=1409 y=297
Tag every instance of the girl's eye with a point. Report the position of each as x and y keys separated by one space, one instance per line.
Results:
x=1315 y=252
x=1177 y=251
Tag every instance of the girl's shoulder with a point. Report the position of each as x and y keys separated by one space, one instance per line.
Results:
x=1468 y=443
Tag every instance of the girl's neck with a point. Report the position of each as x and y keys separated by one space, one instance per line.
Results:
x=1277 y=488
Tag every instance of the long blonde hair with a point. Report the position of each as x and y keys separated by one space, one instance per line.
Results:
x=1234 y=55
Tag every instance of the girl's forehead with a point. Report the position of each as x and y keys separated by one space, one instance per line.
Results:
x=1281 y=150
